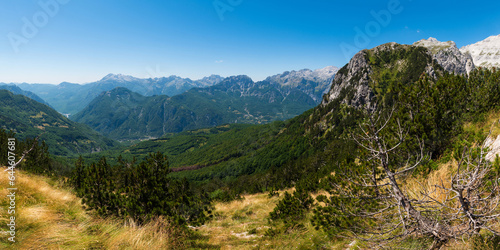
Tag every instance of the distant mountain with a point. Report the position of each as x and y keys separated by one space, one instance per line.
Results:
x=313 y=83
x=16 y=90
x=69 y=98
x=29 y=118
x=123 y=114
x=485 y=53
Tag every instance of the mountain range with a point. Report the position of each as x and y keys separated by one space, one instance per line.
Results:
x=123 y=114
x=70 y=98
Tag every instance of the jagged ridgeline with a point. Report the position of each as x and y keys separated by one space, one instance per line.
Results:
x=122 y=114
x=70 y=98
x=29 y=119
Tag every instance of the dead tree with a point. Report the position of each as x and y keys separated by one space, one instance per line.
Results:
x=372 y=199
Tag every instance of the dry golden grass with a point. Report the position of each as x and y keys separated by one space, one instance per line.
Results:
x=242 y=225
x=48 y=217
x=415 y=187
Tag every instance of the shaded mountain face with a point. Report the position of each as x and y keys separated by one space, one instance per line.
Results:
x=485 y=53
x=29 y=118
x=69 y=98
x=373 y=71
x=16 y=90
x=122 y=114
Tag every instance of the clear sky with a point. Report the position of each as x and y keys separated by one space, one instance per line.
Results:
x=50 y=41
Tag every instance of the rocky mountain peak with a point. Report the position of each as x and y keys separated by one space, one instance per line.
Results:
x=448 y=55
x=355 y=84
x=211 y=80
x=435 y=45
x=118 y=78
x=293 y=78
x=485 y=53
x=355 y=76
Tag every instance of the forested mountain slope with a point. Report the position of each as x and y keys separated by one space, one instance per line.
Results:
x=122 y=114
x=64 y=137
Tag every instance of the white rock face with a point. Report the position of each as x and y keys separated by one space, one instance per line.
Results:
x=448 y=55
x=485 y=53
x=494 y=147
x=325 y=73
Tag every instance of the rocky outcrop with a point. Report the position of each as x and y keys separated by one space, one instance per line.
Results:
x=485 y=53
x=494 y=148
x=356 y=77
x=448 y=55
x=355 y=82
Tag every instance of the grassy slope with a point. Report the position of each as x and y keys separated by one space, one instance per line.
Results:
x=242 y=225
x=50 y=217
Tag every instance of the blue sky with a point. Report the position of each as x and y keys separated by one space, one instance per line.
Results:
x=83 y=40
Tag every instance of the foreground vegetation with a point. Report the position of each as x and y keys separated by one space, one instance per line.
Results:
x=52 y=217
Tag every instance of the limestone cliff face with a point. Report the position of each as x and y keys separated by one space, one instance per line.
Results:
x=355 y=75
x=448 y=55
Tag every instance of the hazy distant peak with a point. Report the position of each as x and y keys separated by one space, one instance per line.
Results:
x=118 y=78
x=295 y=77
x=326 y=72
x=210 y=80
x=67 y=84
x=239 y=78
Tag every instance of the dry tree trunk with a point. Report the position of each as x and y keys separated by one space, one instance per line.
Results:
x=470 y=204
